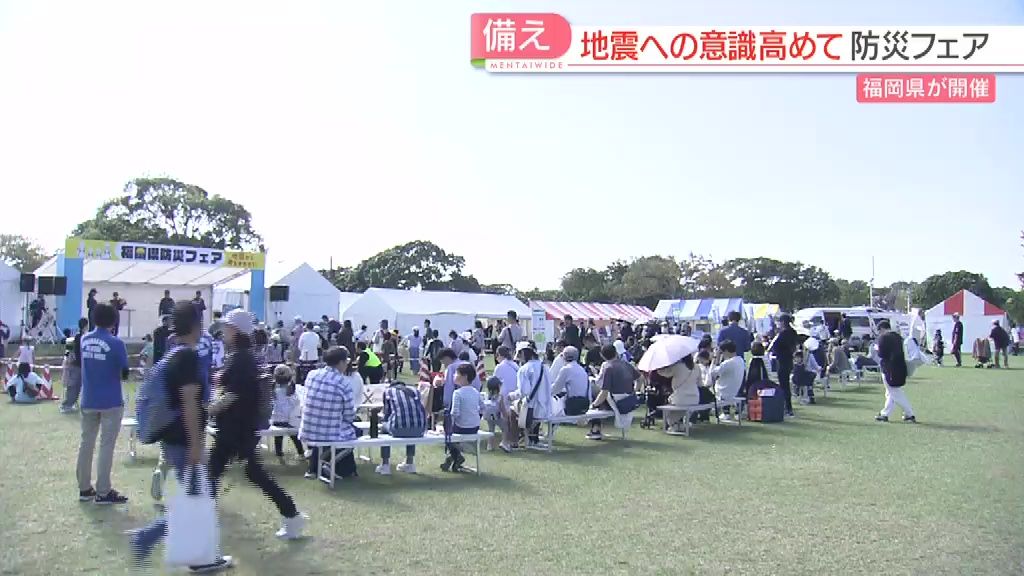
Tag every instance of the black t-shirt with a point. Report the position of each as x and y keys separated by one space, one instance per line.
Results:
x=572 y=336
x=240 y=377
x=594 y=357
x=786 y=344
x=1000 y=337
x=77 y=358
x=166 y=306
x=894 y=363
x=181 y=369
x=160 y=336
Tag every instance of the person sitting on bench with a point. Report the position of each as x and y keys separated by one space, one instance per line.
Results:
x=329 y=410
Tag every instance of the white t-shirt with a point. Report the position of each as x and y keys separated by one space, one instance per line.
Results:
x=728 y=377
x=26 y=354
x=309 y=346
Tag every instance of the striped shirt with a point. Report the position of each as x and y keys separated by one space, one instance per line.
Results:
x=467 y=404
x=403 y=408
x=329 y=408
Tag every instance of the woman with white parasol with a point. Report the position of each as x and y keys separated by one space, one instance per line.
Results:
x=671 y=356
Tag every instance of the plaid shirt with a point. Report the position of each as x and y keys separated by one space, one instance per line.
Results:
x=328 y=409
x=403 y=408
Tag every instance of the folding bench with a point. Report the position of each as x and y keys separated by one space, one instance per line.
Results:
x=686 y=411
x=331 y=452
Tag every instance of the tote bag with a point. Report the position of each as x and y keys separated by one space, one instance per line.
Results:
x=192 y=531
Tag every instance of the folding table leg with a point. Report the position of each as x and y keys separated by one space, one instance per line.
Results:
x=477 y=455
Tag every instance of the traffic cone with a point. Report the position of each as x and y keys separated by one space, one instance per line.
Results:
x=46 y=390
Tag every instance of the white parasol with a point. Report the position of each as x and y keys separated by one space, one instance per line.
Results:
x=666 y=350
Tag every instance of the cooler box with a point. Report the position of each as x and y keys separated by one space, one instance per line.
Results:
x=768 y=406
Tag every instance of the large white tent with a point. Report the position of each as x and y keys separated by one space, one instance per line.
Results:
x=405 y=309
x=310 y=295
x=141 y=284
x=975 y=313
x=12 y=301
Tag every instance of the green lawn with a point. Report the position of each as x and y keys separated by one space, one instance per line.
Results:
x=832 y=492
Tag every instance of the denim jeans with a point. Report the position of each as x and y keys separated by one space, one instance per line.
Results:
x=410 y=450
x=148 y=537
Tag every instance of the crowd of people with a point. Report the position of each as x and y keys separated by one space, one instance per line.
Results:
x=242 y=376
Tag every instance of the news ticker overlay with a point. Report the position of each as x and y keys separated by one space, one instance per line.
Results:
x=542 y=42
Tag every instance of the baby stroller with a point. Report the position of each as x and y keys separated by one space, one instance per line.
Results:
x=656 y=391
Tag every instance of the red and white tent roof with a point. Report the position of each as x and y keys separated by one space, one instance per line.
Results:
x=594 y=311
x=965 y=303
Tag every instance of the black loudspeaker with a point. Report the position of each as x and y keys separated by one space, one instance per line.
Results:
x=60 y=285
x=278 y=293
x=28 y=282
x=45 y=285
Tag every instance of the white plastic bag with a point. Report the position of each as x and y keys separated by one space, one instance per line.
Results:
x=557 y=407
x=193 y=534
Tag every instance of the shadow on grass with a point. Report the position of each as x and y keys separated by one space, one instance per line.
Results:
x=985 y=429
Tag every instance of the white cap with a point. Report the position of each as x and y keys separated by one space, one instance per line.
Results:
x=520 y=346
x=239 y=320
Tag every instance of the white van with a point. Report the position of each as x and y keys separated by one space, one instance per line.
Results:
x=805 y=322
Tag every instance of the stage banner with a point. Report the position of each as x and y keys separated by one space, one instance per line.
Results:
x=141 y=252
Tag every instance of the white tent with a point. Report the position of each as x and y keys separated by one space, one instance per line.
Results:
x=310 y=295
x=976 y=314
x=405 y=309
x=12 y=301
x=142 y=285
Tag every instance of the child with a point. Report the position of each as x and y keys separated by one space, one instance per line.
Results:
x=803 y=379
x=146 y=356
x=497 y=414
x=465 y=413
x=287 y=410
x=939 y=347
x=757 y=372
x=217 y=350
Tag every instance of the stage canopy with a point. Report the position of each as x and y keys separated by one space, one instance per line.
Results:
x=714 y=309
x=593 y=311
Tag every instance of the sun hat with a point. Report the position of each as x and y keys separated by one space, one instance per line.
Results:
x=239 y=320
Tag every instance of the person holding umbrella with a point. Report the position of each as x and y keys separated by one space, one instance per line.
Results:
x=671 y=356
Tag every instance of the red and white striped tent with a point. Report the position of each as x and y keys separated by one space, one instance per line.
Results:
x=975 y=313
x=593 y=311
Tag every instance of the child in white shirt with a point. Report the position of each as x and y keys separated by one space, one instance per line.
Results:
x=287 y=408
x=496 y=414
x=467 y=404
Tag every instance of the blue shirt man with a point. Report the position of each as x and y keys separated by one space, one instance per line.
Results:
x=104 y=363
x=736 y=334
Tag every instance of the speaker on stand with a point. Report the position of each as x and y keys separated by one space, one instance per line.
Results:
x=278 y=294
x=27 y=285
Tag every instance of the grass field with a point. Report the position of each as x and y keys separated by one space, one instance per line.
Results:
x=832 y=492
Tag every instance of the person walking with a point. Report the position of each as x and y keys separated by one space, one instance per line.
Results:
x=73 y=372
x=894 y=373
x=104 y=365
x=957 y=340
x=1000 y=343
x=784 y=346
x=182 y=441
x=236 y=411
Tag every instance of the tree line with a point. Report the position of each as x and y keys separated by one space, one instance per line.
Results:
x=168 y=211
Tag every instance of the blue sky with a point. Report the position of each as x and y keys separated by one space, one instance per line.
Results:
x=347 y=129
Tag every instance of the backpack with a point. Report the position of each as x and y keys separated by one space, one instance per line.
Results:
x=153 y=411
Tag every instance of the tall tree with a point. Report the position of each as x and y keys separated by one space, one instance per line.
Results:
x=853 y=293
x=650 y=279
x=415 y=264
x=21 y=252
x=703 y=278
x=167 y=211
x=937 y=288
x=791 y=285
x=544 y=295
x=1012 y=301
x=585 y=285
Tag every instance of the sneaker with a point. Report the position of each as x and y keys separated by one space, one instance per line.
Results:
x=407 y=468
x=911 y=419
x=811 y=401
x=111 y=497
x=291 y=528
x=222 y=563
x=790 y=414
x=156 y=485
x=594 y=436
x=68 y=410
x=805 y=401
x=87 y=495
x=309 y=475
x=505 y=448
x=881 y=418
x=446 y=466
x=384 y=469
